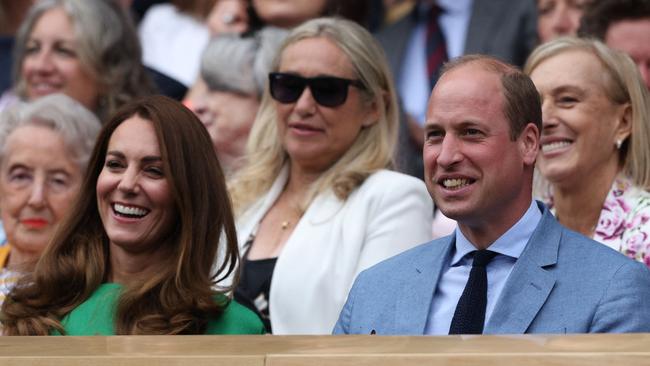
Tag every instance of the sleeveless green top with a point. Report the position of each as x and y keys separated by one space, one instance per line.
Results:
x=96 y=316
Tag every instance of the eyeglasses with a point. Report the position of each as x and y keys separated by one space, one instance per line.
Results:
x=328 y=91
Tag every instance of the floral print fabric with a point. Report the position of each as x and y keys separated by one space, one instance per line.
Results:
x=624 y=222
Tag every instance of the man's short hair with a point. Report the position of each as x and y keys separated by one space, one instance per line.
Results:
x=599 y=15
x=522 y=104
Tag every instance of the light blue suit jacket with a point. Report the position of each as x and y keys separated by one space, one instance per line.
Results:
x=562 y=283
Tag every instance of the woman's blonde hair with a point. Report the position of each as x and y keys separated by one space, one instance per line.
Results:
x=373 y=148
x=622 y=84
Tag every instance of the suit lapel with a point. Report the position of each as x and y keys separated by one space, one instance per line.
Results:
x=247 y=223
x=418 y=286
x=529 y=283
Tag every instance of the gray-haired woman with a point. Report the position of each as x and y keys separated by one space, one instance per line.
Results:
x=44 y=149
x=87 y=50
x=235 y=70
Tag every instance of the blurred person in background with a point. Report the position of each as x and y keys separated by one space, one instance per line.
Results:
x=623 y=25
x=173 y=35
x=315 y=203
x=235 y=70
x=11 y=15
x=225 y=17
x=397 y=9
x=86 y=49
x=44 y=149
x=291 y=13
x=558 y=18
x=138 y=254
x=594 y=159
x=231 y=16
x=138 y=8
x=288 y=14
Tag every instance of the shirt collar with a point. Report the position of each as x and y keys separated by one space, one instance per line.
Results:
x=455 y=6
x=447 y=7
x=511 y=243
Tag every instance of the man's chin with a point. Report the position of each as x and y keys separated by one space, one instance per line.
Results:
x=454 y=213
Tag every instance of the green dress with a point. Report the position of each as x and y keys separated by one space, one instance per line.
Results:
x=96 y=316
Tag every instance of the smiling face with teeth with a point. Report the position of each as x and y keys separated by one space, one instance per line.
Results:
x=581 y=123
x=475 y=172
x=133 y=193
x=51 y=63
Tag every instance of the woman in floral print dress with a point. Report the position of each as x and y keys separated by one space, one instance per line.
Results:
x=595 y=154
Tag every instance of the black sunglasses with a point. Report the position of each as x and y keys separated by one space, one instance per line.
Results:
x=328 y=91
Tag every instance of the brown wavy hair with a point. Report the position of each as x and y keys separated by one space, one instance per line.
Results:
x=180 y=297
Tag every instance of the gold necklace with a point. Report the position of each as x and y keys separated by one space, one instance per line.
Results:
x=285 y=225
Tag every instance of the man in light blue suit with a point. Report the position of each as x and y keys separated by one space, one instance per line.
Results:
x=509 y=267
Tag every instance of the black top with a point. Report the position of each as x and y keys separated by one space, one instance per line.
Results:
x=6 y=52
x=255 y=284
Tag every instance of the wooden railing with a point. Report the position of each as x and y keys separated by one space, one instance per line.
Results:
x=603 y=349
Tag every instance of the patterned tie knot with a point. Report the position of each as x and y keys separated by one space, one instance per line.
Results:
x=483 y=257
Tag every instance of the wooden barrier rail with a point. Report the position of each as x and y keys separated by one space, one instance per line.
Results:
x=598 y=349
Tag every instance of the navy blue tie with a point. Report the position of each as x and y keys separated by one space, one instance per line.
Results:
x=470 y=311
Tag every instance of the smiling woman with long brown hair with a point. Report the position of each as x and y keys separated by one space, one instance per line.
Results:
x=136 y=254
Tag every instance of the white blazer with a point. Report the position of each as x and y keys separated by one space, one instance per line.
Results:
x=334 y=241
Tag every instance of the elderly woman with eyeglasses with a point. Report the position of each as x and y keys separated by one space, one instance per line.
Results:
x=315 y=202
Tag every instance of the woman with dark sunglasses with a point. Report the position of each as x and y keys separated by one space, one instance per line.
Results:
x=315 y=202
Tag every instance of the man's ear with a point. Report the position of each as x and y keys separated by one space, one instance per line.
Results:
x=529 y=143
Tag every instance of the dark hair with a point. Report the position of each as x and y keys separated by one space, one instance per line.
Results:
x=196 y=8
x=357 y=10
x=180 y=297
x=522 y=104
x=599 y=15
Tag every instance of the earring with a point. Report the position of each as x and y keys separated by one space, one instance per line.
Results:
x=619 y=143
